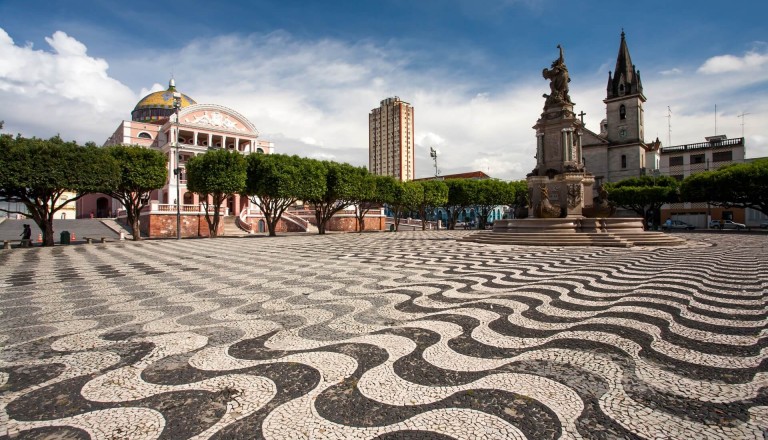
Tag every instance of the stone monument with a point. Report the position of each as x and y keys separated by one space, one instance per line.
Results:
x=559 y=185
x=562 y=210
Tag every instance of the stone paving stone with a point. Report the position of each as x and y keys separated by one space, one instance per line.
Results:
x=409 y=335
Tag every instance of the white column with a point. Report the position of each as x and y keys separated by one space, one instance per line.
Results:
x=210 y=140
x=224 y=142
x=195 y=141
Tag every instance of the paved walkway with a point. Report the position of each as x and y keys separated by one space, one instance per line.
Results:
x=387 y=336
x=11 y=229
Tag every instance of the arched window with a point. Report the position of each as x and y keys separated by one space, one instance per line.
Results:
x=145 y=135
x=622 y=112
x=260 y=151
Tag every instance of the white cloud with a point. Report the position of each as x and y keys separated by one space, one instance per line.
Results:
x=59 y=91
x=752 y=60
x=672 y=71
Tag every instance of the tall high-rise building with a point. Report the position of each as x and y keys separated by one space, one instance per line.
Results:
x=390 y=140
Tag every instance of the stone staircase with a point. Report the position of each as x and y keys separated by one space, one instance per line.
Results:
x=303 y=223
x=604 y=239
x=230 y=228
x=116 y=227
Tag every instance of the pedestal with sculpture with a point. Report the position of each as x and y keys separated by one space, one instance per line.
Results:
x=562 y=207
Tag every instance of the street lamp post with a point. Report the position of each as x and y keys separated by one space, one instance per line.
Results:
x=177 y=170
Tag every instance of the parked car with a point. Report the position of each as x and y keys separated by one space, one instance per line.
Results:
x=726 y=224
x=677 y=224
x=764 y=224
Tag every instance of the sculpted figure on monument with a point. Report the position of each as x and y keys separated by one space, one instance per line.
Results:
x=601 y=207
x=545 y=209
x=559 y=79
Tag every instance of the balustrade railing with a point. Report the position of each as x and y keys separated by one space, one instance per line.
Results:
x=241 y=222
x=170 y=208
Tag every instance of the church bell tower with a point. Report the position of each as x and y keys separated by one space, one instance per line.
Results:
x=624 y=100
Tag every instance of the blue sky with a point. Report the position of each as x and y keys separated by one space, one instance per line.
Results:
x=307 y=73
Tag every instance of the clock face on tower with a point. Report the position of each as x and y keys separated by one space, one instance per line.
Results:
x=623 y=133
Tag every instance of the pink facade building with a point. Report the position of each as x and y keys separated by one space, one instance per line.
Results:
x=199 y=128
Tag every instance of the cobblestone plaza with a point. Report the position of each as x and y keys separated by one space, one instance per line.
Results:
x=384 y=336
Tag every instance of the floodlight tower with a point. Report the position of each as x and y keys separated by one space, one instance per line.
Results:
x=433 y=155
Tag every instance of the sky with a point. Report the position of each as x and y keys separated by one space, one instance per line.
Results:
x=307 y=73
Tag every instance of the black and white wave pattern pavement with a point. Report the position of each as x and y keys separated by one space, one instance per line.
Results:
x=384 y=336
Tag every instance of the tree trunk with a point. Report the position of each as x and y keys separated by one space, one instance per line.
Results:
x=214 y=231
x=48 y=231
x=272 y=227
x=133 y=221
x=454 y=218
x=271 y=222
x=320 y=222
x=396 y=214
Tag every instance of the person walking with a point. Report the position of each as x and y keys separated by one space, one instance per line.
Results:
x=26 y=236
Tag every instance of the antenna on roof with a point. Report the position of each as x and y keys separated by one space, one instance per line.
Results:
x=715 y=119
x=669 y=126
x=742 y=121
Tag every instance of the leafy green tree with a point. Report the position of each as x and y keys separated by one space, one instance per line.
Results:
x=489 y=194
x=643 y=194
x=218 y=175
x=141 y=171
x=364 y=195
x=462 y=193
x=386 y=189
x=275 y=182
x=435 y=194
x=337 y=193
x=37 y=172
x=520 y=189
x=743 y=185
x=406 y=197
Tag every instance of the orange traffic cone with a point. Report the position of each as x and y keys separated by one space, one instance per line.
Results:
x=39 y=237
x=73 y=237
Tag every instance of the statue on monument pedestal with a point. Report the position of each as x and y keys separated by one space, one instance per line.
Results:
x=559 y=79
x=545 y=209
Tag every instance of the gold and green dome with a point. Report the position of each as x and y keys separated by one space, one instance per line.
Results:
x=158 y=106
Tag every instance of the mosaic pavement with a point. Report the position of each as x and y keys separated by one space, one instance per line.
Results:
x=384 y=336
